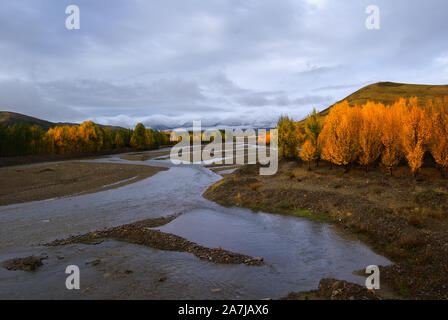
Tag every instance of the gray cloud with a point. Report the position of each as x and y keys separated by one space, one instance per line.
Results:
x=27 y=98
x=226 y=62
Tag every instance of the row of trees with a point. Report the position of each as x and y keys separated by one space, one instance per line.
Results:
x=371 y=133
x=22 y=139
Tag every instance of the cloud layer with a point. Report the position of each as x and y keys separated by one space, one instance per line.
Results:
x=227 y=63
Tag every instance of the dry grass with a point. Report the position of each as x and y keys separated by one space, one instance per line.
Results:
x=415 y=221
x=255 y=186
x=411 y=241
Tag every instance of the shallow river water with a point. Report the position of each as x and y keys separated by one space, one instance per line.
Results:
x=297 y=252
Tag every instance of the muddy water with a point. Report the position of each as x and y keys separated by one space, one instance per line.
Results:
x=297 y=252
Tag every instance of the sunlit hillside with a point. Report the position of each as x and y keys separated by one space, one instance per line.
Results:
x=389 y=92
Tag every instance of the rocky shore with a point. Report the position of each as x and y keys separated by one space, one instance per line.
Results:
x=30 y=263
x=139 y=233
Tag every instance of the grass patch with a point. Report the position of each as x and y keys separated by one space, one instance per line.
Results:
x=284 y=205
x=403 y=291
x=304 y=213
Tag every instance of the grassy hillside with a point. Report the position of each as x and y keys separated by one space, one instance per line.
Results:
x=388 y=92
x=10 y=118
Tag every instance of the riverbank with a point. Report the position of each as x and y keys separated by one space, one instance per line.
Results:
x=401 y=218
x=54 y=180
x=332 y=289
x=34 y=159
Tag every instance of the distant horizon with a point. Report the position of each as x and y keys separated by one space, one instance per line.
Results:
x=187 y=125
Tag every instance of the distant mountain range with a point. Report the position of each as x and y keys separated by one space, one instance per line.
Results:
x=384 y=92
x=10 y=118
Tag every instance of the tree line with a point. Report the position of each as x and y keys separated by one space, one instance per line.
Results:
x=369 y=134
x=22 y=139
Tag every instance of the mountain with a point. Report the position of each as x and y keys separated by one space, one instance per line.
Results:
x=389 y=92
x=10 y=118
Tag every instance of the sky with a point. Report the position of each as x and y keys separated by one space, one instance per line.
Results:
x=225 y=62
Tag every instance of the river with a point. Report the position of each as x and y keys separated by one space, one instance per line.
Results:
x=297 y=252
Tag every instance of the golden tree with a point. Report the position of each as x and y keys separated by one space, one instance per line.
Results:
x=73 y=140
x=328 y=136
x=416 y=133
x=118 y=140
x=313 y=128
x=390 y=132
x=325 y=144
x=289 y=137
x=90 y=137
x=340 y=134
x=308 y=152
x=439 y=139
x=370 y=145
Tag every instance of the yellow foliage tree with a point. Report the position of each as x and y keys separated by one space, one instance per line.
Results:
x=340 y=134
x=390 y=132
x=370 y=145
x=313 y=128
x=289 y=137
x=118 y=141
x=416 y=133
x=366 y=133
x=89 y=137
x=439 y=140
x=308 y=152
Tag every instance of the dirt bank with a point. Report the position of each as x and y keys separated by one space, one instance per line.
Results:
x=143 y=156
x=331 y=289
x=138 y=233
x=46 y=181
x=221 y=169
x=21 y=160
x=402 y=218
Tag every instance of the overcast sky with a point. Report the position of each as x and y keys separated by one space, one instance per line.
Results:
x=229 y=63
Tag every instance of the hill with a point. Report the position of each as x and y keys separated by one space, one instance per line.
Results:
x=388 y=92
x=10 y=118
